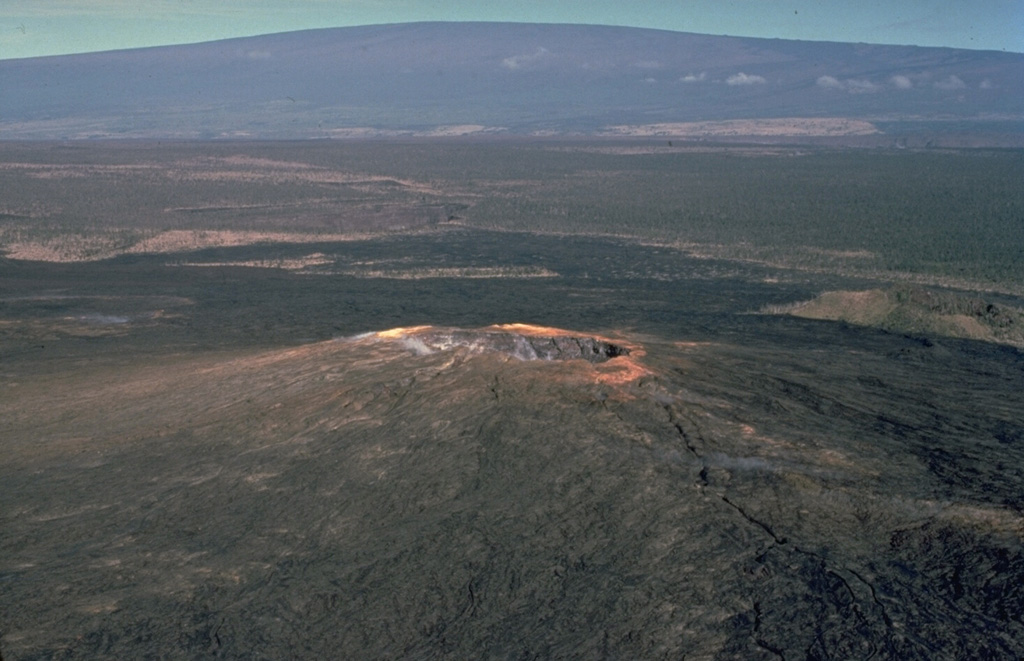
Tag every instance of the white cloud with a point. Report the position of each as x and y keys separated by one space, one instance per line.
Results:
x=860 y=86
x=520 y=61
x=744 y=79
x=950 y=84
x=830 y=83
x=986 y=85
x=693 y=78
x=648 y=64
x=901 y=82
x=851 y=85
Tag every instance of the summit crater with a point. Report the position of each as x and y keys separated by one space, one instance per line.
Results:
x=520 y=341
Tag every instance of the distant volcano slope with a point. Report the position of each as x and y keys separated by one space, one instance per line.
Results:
x=379 y=497
x=438 y=79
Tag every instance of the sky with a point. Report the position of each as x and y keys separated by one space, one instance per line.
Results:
x=30 y=28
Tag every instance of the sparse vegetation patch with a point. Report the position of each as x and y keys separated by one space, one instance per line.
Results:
x=915 y=310
x=942 y=218
x=455 y=272
x=789 y=126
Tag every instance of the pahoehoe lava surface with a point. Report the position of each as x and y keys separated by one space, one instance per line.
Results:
x=366 y=498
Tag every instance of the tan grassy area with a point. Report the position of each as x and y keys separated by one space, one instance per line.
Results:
x=357 y=132
x=188 y=240
x=295 y=264
x=858 y=263
x=793 y=126
x=60 y=171
x=866 y=308
x=95 y=247
x=238 y=168
x=241 y=169
x=461 y=129
x=917 y=311
x=682 y=147
x=78 y=247
x=456 y=272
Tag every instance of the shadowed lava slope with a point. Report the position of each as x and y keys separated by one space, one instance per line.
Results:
x=423 y=493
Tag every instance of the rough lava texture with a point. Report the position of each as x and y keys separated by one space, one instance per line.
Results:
x=355 y=499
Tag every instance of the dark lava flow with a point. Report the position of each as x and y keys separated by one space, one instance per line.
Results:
x=199 y=483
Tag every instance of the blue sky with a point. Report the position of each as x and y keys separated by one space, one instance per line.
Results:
x=45 y=27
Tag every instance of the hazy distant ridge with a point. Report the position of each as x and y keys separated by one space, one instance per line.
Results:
x=521 y=78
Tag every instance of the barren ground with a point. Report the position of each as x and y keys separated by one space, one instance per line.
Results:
x=315 y=433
